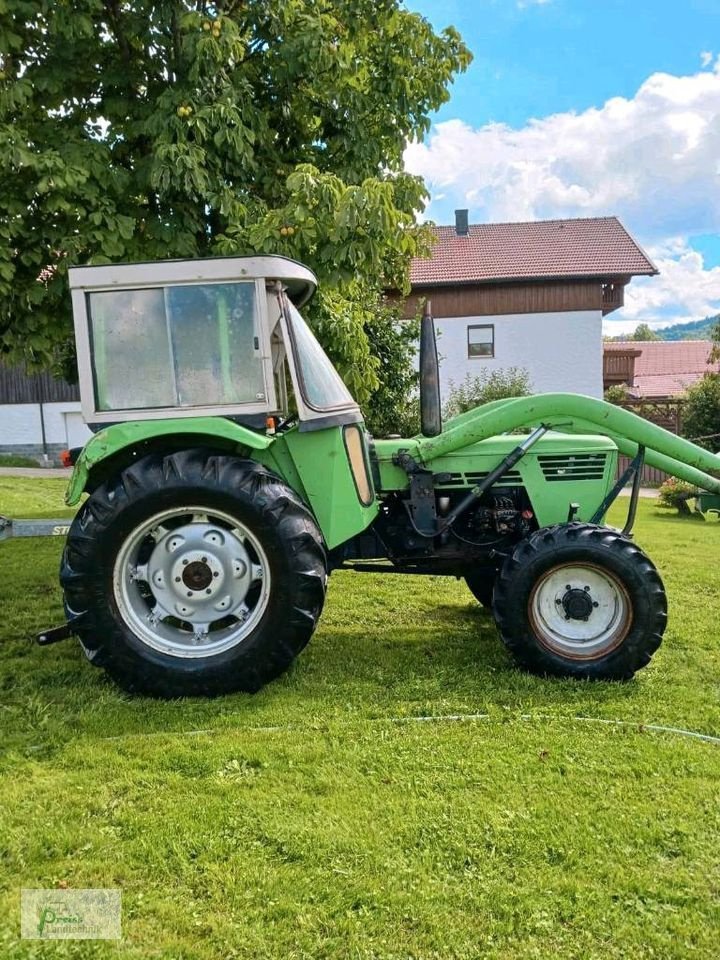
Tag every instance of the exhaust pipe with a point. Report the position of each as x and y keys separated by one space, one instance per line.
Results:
x=430 y=415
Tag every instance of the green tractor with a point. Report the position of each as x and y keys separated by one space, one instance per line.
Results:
x=230 y=472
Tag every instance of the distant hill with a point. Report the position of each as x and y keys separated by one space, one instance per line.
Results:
x=693 y=330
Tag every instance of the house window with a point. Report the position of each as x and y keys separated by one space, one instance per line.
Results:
x=481 y=341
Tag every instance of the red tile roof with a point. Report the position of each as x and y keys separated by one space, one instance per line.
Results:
x=544 y=249
x=666 y=368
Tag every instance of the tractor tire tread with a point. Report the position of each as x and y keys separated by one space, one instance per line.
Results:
x=549 y=543
x=84 y=573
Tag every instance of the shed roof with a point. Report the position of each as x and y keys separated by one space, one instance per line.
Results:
x=545 y=249
x=666 y=368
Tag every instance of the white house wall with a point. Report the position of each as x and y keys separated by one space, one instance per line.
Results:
x=561 y=351
x=21 y=429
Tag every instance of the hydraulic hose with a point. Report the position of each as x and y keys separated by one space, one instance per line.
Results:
x=664 y=450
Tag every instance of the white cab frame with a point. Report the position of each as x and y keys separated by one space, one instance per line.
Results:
x=299 y=282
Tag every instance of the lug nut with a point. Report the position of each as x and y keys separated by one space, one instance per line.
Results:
x=177 y=579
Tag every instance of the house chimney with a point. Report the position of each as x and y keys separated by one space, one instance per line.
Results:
x=461 y=223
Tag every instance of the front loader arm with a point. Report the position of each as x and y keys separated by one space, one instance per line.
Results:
x=574 y=413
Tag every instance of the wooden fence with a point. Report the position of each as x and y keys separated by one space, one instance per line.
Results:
x=17 y=386
x=665 y=413
x=651 y=476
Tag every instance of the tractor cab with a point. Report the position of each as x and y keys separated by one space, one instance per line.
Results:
x=191 y=338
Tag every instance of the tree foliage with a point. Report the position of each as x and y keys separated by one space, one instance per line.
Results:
x=714 y=356
x=394 y=406
x=701 y=414
x=643 y=332
x=692 y=330
x=485 y=387
x=617 y=393
x=146 y=129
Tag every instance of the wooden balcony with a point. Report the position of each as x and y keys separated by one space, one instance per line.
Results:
x=619 y=366
x=613 y=296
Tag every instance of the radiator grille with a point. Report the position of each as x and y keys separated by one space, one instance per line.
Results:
x=577 y=466
x=510 y=479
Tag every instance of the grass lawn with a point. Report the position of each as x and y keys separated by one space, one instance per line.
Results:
x=318 y=819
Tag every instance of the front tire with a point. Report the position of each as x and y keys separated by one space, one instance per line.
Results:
x=481 y=584
x=578 y=600
x=193 y=574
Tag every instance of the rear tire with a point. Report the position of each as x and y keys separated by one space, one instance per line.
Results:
x=578 y=600
x=193 y=574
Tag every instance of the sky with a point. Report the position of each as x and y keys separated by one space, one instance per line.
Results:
x=581 y=108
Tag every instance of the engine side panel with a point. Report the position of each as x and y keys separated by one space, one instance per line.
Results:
x=559 y=470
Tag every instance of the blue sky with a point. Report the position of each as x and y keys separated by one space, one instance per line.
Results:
x=588 y=108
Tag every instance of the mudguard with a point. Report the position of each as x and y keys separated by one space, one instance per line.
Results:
x=113 y=439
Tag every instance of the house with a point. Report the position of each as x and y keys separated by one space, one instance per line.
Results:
x=530 y=295
x=656 y=369
x=39 y=415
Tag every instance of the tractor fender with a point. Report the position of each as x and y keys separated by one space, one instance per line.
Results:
x=111 y=442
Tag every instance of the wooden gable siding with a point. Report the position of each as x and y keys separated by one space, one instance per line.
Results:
x=492 y=299
x=16 y=386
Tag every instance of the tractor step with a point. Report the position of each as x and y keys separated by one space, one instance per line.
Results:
x=54 y=635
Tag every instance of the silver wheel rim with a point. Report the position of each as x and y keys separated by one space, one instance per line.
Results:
x=191 y=582
x=580 y=611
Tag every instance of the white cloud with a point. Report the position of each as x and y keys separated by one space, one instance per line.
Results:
x=706 y=58
x=654 y=160
x=685 y=289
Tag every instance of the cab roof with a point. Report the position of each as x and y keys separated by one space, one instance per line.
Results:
x=299 y=281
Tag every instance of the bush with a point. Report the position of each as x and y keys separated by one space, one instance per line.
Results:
x=485 y=387
x=674 y=494
x=701 y=415
x=617 y=394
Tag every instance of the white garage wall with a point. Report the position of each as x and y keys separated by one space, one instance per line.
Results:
x=20 y=425
x=56 y=421
x=561 y=351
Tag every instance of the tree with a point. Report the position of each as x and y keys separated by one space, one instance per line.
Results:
x=487 y=386
x=714 y=356
x=644 y=332
x=394 y=406
x=167 y=128
x=701 y=414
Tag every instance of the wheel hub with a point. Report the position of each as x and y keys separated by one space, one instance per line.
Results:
x=581 y=611
x=578 y=604
x=207 y=581
x=193 y=576
x=197 y=575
